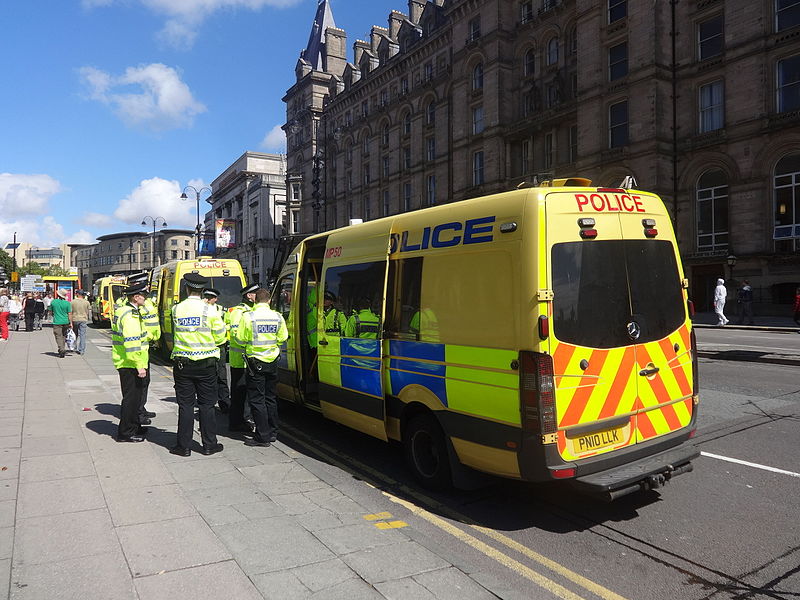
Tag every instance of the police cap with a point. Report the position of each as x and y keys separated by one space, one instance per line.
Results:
x=136 y=288
x=195 y=281
x=211 y=293
x=250 y=289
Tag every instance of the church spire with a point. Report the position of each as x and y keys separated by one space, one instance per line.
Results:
x=315 y=52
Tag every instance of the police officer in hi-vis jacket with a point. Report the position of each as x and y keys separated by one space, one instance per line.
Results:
x=261 y=331
x=198 y=330
x=236 y=415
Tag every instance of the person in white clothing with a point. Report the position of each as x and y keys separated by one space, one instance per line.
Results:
x=720 y=295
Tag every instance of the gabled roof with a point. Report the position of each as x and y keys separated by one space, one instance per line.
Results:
x=314 y=52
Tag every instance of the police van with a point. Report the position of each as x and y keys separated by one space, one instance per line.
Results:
x=539 y=334
x=105 y=293
x=166 y=288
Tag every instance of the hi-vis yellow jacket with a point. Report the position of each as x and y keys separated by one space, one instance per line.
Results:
x=235 y=350
x=260 y=331
x=198 y=330
x=129 y=339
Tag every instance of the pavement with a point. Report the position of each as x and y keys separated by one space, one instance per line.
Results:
x=85 y=517
x=772 y=340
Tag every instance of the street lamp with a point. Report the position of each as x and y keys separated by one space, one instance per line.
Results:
x=197 y=198
x=731 y=259
x=154 y=221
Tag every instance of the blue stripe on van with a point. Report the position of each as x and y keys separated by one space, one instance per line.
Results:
x=361 y=374
x=404 y=370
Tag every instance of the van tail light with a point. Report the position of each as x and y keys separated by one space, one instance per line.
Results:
x=588 y=234
x=695 y=369
x=537 y=393
x=690 y=306
x=651 y=233
x=544 y=327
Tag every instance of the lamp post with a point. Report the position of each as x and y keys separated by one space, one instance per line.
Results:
x=197 y=198
x=731 y=259
x=154 y=221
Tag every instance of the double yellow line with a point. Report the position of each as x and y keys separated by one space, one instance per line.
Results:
x=380 y=480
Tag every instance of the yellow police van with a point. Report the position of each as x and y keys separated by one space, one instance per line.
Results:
x=538 y=334
x=225 y=275
x=105 y=292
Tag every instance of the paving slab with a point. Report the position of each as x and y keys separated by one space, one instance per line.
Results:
x=7 y=512
x=280 y=585
x=48 y=468
x=396 y=561
x=404 y=589
x=6 y=542
x=129 y=506
x=226 y=496
x=323 y=575
x=452 y=584
x=348 y=590
x=59 y=496
x=57 y=444
x=351 y=538
x=216 y=581
x=8 y=489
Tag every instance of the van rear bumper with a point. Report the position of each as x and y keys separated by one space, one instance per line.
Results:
x=648 y=472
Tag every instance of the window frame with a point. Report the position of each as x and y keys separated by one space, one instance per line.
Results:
x=618 y=63
x=713 y=195
x=478 y=168
x=711 y=111
x=710 y=40
x=780 y=90
x=612 y=126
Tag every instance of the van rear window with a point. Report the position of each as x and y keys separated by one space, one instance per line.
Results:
x=600 y=287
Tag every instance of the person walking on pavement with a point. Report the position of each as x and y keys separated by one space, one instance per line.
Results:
x=261 y=331
x=80 y=320
x=198 y=331
x=62 y=321
x=5 y=311
x=238 y=411
x=210 y=295
x=15 y=313
x=745 y=302
x=720 y=295
x=38 y=315
x=130 y=352
x=47 y=301
x=29 y=310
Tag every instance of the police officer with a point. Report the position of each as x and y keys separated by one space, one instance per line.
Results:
x=210 y=295
x=364 y=323
x=130 y=352
x=198 y=331
x=260 y=331
x=236 y=415
x=333 y=319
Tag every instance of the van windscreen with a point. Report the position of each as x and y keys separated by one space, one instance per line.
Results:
x=600 y=287
x=228 y=288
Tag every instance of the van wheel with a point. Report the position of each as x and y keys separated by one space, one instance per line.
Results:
x=426 y=452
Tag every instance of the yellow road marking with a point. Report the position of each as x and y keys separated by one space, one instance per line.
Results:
x=482 y=547
x=391 y=525
x=377 y=516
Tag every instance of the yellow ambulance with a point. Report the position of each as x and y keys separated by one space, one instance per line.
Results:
x=105 y=292
x=224 y=275
x=539 y=334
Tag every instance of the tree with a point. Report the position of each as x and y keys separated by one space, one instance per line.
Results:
x=6 y=263
x=55 y=271
x=31 y=268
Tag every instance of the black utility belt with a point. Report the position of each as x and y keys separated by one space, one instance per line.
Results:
x=181 y=362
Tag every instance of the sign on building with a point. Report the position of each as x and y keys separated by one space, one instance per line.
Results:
x=226 y=233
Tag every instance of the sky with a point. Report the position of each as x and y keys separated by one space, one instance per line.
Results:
x=108 y=108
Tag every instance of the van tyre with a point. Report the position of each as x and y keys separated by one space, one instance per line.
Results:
x=426 y=452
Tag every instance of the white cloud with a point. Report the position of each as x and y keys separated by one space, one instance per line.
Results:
x=275 y=140
x=94 y=219
x=81 y=237
x=185 y=17
x=160 y=100
x=26 y=194
x=158 y=197
x=43 y=233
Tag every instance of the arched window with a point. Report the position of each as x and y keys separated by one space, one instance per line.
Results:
x=712 y=211
x=430 y=113
x=787 y=204
x=477 y=77
x=407 y=124
x=385 y=134
x=572 y=40
x=529 y=63
x=365 y=145
x=552 y=51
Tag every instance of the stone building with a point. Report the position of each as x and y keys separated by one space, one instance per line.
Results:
x=252 y=193
x=699 y=100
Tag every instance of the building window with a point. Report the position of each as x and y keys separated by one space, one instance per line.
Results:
x=712 y=211
x=431 y=190
x=185 y=242
x=366 y=174
x=526 y=11
x=618 y=61
x=477 y=168
x=174 y=254
x=386 y=134
x=527 y=104
x=428 y=71
x=172 y=242
x=404 y=86
x=787 y=204
x=385 y=166
x=477 y=77
x=712 y=107
x=710 y=40
x=384 y=97
x=430 y=144
x=406 y=157
x=526 y=157
x=573 y=143
x=548 y=150
x=349 y=180
x=787 y=14
x=295 y=221
x=255 y=226
x=385 y=203
x=552 y=51
x=618 y=124
x=553 y=95
x=474 y=29
x=406 y=197
x=529 y=64
x=477 y=120
x=365 y=146
x=407 y=124
x=789 y=84
x=366 y=211
x=364 y=108
x=617 y=9
x=572 y=41
x=431 y=112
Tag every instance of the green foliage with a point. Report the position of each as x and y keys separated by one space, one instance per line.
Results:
x=55 y=271
x=6 y=263
x=31 y=268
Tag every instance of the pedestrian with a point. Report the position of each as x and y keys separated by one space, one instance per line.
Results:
x=261 y=331
x=38 y=316
x=5 y=311
x=29 y=310
x=720 y=295
x=15 y=313
x=62 y=320
x=237 y=421
x=197 y=332
x=797 y=306
x=80 y=319
x=47 y=301
x=130 y=353
x=745 y=302
x=211 y=296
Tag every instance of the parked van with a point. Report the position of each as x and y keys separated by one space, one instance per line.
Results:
x=538 y=334
x=105 y=293
x=166 y=290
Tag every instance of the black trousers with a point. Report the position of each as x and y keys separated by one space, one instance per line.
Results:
x=262 y=379
x=29 y=321
x=196 y=384
x=236 y=415
x=131 y=385
x=141 y=415
x=223 y=395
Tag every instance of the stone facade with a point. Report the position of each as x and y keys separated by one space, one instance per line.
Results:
x=459 y=98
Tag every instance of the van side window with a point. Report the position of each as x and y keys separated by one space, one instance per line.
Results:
x=357 y=288
x=403 y=293
x=282 y=298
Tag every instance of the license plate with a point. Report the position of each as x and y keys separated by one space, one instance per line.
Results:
x=600 y=440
